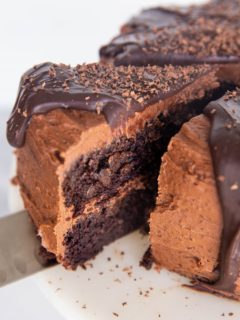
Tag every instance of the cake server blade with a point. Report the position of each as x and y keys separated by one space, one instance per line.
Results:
x=19 y=248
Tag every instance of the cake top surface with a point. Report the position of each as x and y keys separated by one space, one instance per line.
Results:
x=205 y=34
x=204 y=40
x=117 y=93
x=158 y=17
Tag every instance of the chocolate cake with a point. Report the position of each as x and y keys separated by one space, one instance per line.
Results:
x=89 y=141
x=194 y=229
x=203 y=34
x=160 y=17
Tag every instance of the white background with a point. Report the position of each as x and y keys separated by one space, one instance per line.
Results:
x=31 y=32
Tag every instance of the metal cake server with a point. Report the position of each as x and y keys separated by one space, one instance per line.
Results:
x=19 y=248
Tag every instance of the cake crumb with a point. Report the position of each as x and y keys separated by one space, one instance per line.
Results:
x=117 y=280
x=84 y=306
x=115 y=314
x=230 y=314
x=124 y=304
x=147 y=260
x=89 y=264
x=146 y=294
x=127 y=269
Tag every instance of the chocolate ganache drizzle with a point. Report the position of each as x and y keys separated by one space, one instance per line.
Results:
x=224 y=142
x=116 y=93
x=157 y=17
x=203 y=42
x=161 y=17
x=201 y=34
x=47 y=87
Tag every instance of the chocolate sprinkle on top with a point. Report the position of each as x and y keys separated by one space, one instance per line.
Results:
x=207 y=34
x=159 y=17
x=117 y=93
x=147 y=259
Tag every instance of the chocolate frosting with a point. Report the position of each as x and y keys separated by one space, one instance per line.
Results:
x=117 y=93
x=194 y=44
x=156 y=18
x=203 y=34
x=224 y=142
x=159 y=17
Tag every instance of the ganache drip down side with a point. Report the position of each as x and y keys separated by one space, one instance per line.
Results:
x=224 y=143
x=40 y=100
x=116 y=93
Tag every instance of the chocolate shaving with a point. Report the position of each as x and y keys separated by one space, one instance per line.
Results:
x=203 y=34
x=117 y=93
x=147 y=260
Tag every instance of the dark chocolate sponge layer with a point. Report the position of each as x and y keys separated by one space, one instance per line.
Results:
x=91 y=233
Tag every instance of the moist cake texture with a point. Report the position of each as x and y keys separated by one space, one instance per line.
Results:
x=194 y=228
x=89 y=141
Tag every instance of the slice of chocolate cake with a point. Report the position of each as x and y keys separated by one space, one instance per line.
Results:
x=205 y=34
x=89 y=141
x=194 y=229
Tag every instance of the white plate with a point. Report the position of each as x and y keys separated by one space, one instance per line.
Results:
x=101 y=291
